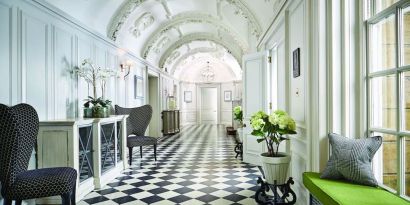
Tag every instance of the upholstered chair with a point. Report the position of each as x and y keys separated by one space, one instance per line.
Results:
x=18 y=135
x=137 y=123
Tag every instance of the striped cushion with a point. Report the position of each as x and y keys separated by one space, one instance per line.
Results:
x=351 y=159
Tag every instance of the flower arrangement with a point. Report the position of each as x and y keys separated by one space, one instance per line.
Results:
x=272 y=129
x=92 y=74
x=237 y=115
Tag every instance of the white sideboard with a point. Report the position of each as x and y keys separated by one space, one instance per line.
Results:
x=95 y=147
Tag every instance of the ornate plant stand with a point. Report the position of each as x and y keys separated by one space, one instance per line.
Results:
x=285 y=197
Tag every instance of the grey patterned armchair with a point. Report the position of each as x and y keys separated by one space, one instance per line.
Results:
x=137 y=123
x=18 y=134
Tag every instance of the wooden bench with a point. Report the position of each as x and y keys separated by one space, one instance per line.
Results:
x=337 y=192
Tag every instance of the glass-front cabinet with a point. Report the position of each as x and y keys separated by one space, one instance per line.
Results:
x=94 y=147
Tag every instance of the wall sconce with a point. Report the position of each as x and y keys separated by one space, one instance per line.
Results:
x=126 y=67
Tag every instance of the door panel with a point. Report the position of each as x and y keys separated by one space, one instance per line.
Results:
x=254 y=68
x=209 y=105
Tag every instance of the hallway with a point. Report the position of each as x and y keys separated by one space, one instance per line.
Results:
x=197 y=166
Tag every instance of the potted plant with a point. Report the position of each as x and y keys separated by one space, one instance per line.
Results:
x=238 y=116
x=273 y=129
x=92 y=74
x=100 y=107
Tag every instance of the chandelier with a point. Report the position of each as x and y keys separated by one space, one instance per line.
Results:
x=208 y=73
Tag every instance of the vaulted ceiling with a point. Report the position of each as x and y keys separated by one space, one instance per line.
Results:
x=172 y=34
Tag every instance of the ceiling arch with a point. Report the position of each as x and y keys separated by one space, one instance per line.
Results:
x=234 y=50
x=191 y=53
x=192 y=17
x=128 y=7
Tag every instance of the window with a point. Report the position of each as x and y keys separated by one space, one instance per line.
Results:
x=388 y=82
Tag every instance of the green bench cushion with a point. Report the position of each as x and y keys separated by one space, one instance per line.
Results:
x=334 y=192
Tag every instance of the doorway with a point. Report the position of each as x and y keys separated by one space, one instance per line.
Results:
x=153 y=100
x=209 y=105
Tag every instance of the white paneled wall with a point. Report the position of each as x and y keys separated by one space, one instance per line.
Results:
x=189 y=110
x=39 y=48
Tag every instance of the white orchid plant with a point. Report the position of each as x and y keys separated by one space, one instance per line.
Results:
x=92 y=74
x=272 y=129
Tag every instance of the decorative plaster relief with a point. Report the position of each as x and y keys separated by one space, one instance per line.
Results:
x=192 y=17
x=130 y=6
x=243 y=10
x=142 y=23
x=161 y=44
x=235 y=50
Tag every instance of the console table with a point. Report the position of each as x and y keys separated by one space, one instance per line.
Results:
x=93 y=146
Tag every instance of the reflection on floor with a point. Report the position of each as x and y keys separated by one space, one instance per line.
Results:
x=197 y=166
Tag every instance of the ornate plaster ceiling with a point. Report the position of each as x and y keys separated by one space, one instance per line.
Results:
x=163 y=31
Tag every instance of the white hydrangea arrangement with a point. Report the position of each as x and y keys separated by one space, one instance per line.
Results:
x=272 y=129
x=237 y=113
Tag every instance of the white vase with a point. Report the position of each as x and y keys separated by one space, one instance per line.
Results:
x=240 y=134
x=276 y=168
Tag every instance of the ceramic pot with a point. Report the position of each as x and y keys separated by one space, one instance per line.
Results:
x=275 y=168
x=240 y=133
x=100 y=112
x=88 y=112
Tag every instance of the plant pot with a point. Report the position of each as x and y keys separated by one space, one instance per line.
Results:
x=240 y=134
x=87 y=112
x=275 y=168
x=100 y=112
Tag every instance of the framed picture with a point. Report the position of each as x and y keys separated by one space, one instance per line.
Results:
x=228 y=96
x=188 y=96
x=138 y=87
x=296 y=63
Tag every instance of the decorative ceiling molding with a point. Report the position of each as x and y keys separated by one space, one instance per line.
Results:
x=142 y=23
x=233 y=49
x=121 y=16
x=192 y=17
x=161 y=44
x=243 y=10
x=191 y=53
x=129 y=6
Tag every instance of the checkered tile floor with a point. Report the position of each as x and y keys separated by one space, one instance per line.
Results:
x=197 y=166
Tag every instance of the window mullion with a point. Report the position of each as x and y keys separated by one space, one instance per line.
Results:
x=400 y=85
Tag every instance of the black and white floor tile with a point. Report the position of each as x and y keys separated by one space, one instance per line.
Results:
x=197 y=166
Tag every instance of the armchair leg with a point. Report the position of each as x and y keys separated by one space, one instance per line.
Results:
x=130 y=152
x=65 y=199
x=18 y=202
x=141 y=151
x=155 y=152
x=73 y=194
x=7 y=201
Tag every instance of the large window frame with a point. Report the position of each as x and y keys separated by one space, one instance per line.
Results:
x=398 y=71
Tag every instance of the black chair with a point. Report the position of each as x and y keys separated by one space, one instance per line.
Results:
x=137 y=123
x=18 y=135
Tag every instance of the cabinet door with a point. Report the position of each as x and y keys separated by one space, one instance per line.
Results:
x=254 y=78
x=52 y=148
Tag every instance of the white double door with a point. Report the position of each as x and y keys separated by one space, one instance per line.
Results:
x=209 y=105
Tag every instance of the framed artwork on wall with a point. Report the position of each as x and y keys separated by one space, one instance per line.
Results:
x=138 y=87
x=188 y=96
x=227 y=96
x=296 y=63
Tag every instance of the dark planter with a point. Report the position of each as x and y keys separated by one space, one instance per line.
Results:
x=88 y=112
x=100 y=112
